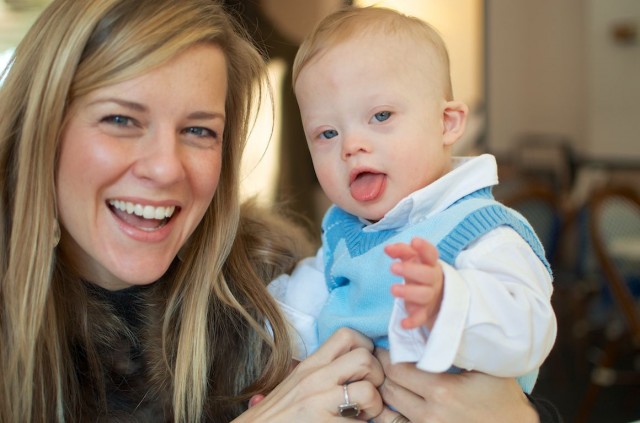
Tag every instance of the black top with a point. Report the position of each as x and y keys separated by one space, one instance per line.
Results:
x=125 y=370
x=547 y=412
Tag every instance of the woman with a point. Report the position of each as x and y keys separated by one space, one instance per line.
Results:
x=134 y=290
x=111 y=106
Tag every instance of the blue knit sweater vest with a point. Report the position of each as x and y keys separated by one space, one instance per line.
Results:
x=357 y=269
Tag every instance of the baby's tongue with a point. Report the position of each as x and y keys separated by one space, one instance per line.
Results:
x=367 y=186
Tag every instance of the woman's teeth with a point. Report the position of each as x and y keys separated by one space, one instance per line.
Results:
x=146 y=212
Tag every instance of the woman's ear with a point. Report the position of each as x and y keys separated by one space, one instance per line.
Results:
x=454 y=118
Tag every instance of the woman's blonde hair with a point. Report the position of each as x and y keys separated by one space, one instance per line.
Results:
x=352 y=22
x=75 y=47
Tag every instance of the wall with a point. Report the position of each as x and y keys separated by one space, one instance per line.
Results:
x=552 y=68
x=613 y=112
x=460 y=24
x=14 y=24
x=536 y=65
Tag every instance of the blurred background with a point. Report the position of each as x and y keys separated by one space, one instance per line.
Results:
x=554 y=92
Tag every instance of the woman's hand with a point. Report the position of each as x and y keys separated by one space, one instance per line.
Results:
x=314 y=390
x=449 y=397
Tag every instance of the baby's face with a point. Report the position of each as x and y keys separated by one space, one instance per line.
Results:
x=373 y=114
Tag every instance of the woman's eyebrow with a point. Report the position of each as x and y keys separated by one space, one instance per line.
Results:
x=142 y=108
x=124 y=103
x=206 y=115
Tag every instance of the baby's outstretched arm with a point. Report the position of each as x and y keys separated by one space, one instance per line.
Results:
x=423 y=288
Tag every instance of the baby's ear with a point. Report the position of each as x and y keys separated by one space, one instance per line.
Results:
x=454 y=118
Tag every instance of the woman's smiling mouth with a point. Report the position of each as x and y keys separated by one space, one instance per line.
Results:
x=144 y=217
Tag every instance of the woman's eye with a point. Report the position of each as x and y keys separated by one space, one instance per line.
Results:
x=382 y=116
x=201 y=132
x=329 y=133
x=118 y=120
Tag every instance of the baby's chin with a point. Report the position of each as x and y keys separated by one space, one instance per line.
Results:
x=369 y=212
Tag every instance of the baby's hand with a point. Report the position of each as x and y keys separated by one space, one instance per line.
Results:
x=423 y=277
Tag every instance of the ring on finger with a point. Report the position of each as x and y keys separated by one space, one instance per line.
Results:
x=348 y=408
x=400 y=419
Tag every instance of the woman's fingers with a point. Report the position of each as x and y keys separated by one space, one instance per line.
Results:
x=403 y=374
x=367 y=398
x=400 y=388
x=345 y=357
x=315 y=389
x=413 y=406
x=297 y=399
x=338 y=344
x=355 y=365
x=450 y=397
x=386 y=416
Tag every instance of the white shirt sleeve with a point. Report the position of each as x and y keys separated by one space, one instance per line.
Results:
x=301 y=296
x=496 y=315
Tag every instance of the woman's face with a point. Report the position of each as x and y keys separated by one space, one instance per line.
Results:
x=139 y=165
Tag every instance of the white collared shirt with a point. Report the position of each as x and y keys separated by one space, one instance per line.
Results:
x=496 y=314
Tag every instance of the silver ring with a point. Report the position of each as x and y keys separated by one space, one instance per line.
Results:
x=348 y=409
x=400 y=419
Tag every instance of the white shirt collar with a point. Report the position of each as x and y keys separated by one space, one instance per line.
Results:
x=468 y=174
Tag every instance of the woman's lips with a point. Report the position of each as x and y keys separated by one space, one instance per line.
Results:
x=143 y=217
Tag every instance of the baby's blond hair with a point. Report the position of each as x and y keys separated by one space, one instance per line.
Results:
x=352 y=22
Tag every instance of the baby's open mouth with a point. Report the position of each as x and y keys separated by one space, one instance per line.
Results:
x=144 y=217
x=367 y=185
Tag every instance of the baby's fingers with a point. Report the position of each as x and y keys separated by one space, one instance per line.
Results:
x=416 y=273
x=427 y=252
x=420 y=295
x=401 y=251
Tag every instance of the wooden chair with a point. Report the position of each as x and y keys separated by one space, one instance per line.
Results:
x=539 y=204
x=546 y=157
x=614 y=223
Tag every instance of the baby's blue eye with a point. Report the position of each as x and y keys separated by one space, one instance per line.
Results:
x=329 y=133
x=382 y=116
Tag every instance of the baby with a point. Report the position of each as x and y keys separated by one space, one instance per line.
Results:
x=416 y=253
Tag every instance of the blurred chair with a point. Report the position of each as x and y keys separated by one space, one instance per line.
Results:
x=547 y=158
x=614 y=228
x=540 y=205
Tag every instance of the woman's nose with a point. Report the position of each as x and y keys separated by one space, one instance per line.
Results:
x=160 y=159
